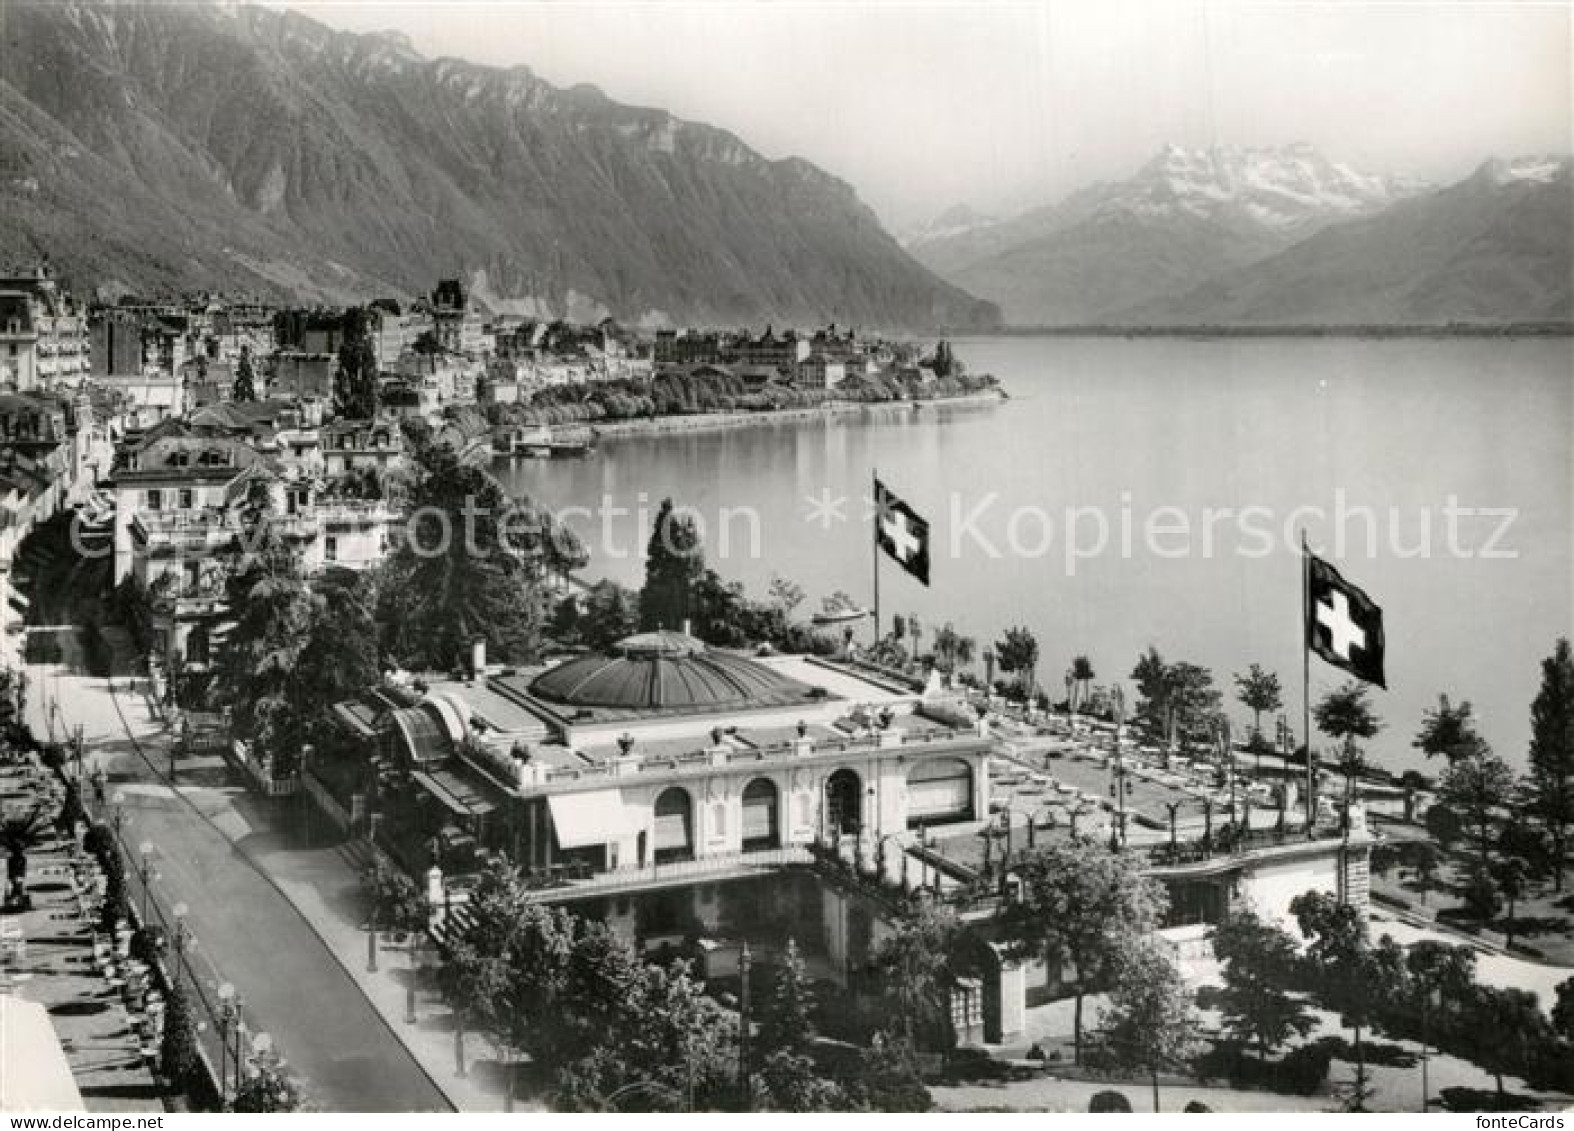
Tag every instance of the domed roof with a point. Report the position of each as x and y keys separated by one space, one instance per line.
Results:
x=665 y=671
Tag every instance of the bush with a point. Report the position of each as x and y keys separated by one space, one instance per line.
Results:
x=1300 y=1072
x=99 y=842
x=1482 y=900
x=1109 y=1102
x=178 y=1050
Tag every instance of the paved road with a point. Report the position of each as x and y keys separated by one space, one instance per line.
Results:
x=293 y=986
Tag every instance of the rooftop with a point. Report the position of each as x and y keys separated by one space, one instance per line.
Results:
x=661 y=673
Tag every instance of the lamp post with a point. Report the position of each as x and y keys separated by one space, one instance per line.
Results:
x=145 y=873
x=745 y=961
x=371 y=924
x=417 y=941
x=117 y=812
x=181 y=937
x=1432 y=996
x=229 y=1015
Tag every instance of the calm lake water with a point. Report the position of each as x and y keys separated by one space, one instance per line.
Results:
x=1146 y=438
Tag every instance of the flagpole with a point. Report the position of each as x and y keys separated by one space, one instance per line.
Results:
x=1306 y=683
x=874 y=546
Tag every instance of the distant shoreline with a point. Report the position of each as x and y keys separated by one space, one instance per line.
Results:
x=710 y=421
x=1462 y=330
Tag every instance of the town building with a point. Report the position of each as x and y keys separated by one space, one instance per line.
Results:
x=456 y=323
x=43 y=333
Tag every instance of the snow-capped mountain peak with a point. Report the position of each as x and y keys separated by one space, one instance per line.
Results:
x=1283 y=189
x=1542 y=168
x=957 y=220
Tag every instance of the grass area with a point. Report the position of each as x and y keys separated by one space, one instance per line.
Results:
x=1543 y=920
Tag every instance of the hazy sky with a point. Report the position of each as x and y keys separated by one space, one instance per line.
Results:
x=1008 y=104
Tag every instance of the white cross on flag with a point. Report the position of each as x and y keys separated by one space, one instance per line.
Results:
x=901 y=533
x=1343 y=625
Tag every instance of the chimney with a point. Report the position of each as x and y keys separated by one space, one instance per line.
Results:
x=478 y=659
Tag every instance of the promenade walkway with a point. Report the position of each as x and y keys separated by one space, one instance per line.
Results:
x=46 y=956
x=211 y=845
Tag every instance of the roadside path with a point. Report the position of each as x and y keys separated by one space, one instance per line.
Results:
x=343 y=1050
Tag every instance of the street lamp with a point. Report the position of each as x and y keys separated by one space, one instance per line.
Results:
x=229 y=1015
x=745 y=961
x=145 y=872
x=181 y=937
x=262 y=1051
x=417 y=942
x=117 y=811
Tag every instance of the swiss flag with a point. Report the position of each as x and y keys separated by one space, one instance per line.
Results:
x=901 y=533
x=1343 y=625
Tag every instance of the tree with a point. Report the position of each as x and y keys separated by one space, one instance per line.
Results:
x=355 y=387
x=1476 y=787
x=1017 y=652
x=1563 y=1009
x=1442 y=974
x=786 y=1015
x=472 y=566
x=1258 y=961
x=887 y=1077
x=1346 y=715
x=1152 y=689
x=1443 y=824
x=20 y=830
x=952 y=649
x=1424 y=858
x=259 y=674
x=916 y=964
x=1552 y=754
x=674 y=563
x=1511 y=874
x=609 y=613
x=396 y=902
x=245 y=378
x=1504 y=1028
x=1176 y=699
x=1150 y=1025
x=1259 y=691
x=1083 y=905
x=1449 y=730
x=1083 y=675
x=789 y=1081
x=267 y=1090
x=178 y=1047
x=1354 y=977
x=671 y=1043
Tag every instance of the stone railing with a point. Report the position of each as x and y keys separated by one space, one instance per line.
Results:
x=727 y=755
x=680 y=870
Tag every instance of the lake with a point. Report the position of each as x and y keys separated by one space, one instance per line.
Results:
x=1437 y=474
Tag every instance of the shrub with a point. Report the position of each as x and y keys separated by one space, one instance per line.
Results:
x=1109 y=1102
x=1482 y=900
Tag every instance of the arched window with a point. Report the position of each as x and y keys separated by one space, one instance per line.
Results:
x=761 y=803
x=843 y=802
x=674 y=826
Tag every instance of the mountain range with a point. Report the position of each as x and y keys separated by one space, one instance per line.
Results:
x=162 y=147
x=1273 y=236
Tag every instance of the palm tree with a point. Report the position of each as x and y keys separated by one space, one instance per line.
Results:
x=1018 y=652
x=20 y=831
x=1258 y=691
x=952 y=648
x=1082 y=672
x=1346 y=715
